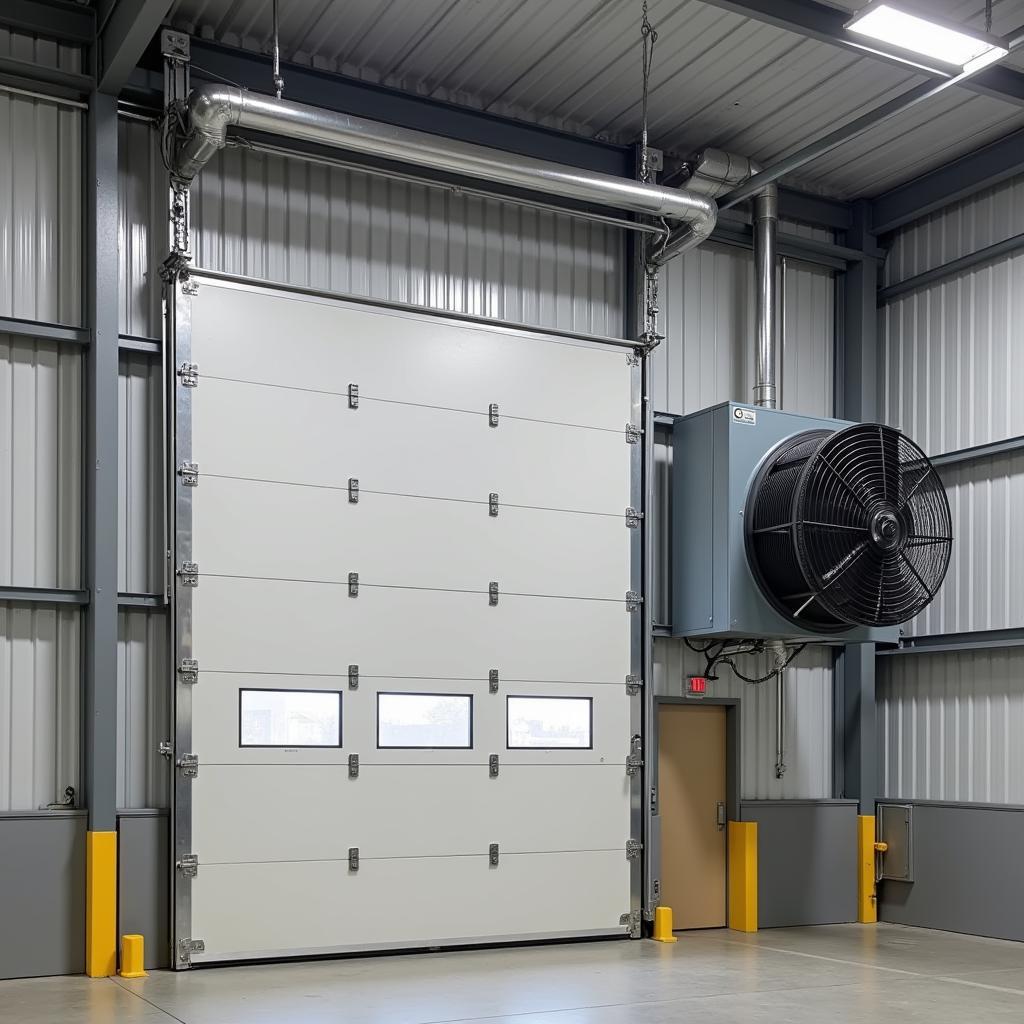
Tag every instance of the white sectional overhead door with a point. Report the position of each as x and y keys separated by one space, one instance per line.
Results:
x=411 y=564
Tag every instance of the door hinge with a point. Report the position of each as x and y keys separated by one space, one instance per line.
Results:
x=188 y=573
x=633 y=359
x=353 y=490
x=492 y=593
x=492 y=855
x=165 y=748
x=353 y=677
x=353 y=766
x=631 y=921
x=189 y=285
x=353 y=858
x=492 y=414
x=353 y=396
x=493 y=766
x=188 y=671
x=189 y=766
x=633 y=517
x=189 y=473
x=633 y=849
x=353 y=584
x=189 y=374
x=492 y=680
x=189 y=865
x=492 y=503
x=186 y=947
x=633 y=601
x=633 y=685
x=635 y=757
x=633 y=434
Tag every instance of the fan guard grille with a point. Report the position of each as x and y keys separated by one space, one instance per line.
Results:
x=850 y=527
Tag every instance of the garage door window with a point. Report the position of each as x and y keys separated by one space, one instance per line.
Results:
x=289 y=718
x=551 y=723
x=429 y=721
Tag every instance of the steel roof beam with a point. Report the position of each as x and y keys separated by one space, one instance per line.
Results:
x=52 y=19
x=126 y=29
x=815 y=20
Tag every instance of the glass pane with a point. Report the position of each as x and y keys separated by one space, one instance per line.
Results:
x=424 y=720
x=290 y=718
x=549 y=722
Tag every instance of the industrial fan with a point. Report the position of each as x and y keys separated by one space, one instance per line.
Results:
x=848 y=527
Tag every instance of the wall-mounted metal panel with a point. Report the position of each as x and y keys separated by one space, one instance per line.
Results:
x=40 y=462
x=45 y=52
x=707 y=357
x=949 y=727
x=140 y=481
x=143 y=775
x=40 y=210
x=39 y=705
x=808 y=718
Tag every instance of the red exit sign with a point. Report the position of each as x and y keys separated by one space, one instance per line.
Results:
x=697 y=686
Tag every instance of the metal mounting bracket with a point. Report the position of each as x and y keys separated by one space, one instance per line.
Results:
x=188 y=573
x=492 y=855
x=492 y=414
x=492 y=680
x=353 y=490
x=165 y=748
x=189 y=473
x=189 y=285
x=188 y=671
x=353 y=677
x=633 y=849
x=635 y=757
x=633 y=685
x=633 y=601
x=353 y=858
x=493 y=766
x=186 y=947
x=188 y=764
x=492 y=593
x=492 y=503
x=353 y=766
x=353 y=584
x=188 y=865
x=189 y=374
x=353 y=396
x=633 y=434
x=633 y=517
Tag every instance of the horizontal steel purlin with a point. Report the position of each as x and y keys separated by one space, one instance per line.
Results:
x=979 y=451
x=948 y=643
x=43 y=595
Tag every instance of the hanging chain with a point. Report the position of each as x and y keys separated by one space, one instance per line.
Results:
x=649 y=36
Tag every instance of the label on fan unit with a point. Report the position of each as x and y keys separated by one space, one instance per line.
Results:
x=747 y=416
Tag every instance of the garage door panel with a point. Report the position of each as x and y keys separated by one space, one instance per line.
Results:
x=319 y=813
x=215 y=732
x=446 y=364
x=274 y=626
x=293 y=436
x=256 y=910
x=310 y=533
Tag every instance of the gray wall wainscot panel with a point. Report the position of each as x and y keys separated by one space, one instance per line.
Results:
x=967 y=872
x=40 y=209
x=808 y=718
x=40 y=705
x=806 y=861
x=950 y=726
x=42 y=893
x=41 y=462
x=143 y=676
x=143 y=882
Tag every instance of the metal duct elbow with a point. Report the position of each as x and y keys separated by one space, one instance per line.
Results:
x=211 y=108
x=215 y=108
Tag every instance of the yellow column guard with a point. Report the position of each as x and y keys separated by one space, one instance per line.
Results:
x=867 y=903
x=743 y=876
x=100 y=904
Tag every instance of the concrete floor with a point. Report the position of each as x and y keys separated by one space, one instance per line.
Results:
x=841 y=973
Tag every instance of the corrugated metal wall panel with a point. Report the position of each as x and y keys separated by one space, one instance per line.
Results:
x=45 y=52
x=707 y=356
x=41 y=463
x=144 y=700
x=142 y=227
x=808 y=720
x=40 y=717
x=949 y=726
x=292 y=221
x=140 y=476
x=40 y=210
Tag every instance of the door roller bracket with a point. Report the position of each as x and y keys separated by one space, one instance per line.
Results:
x=353 y=677
x=189 y=473
x=492 y=855
x=492 y=414
x=353 y=584
x=353 y=490
x=492 y=503
x=493 y=766
x=353 y=766
x=492 y=680
x=492 y=593
x=353 y=396
x=188 y=671
x=353 y=858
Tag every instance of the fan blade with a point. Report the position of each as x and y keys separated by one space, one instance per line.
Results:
x=842 y=480
x=843 y=564
x=836 y=526
x=913 y=490
x=917 y=575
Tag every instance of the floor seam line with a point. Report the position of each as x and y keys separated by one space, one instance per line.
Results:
x=138 y=995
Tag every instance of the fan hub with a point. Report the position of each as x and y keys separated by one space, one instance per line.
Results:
x=886 y=532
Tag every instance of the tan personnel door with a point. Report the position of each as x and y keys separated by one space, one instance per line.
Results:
x=691 y=800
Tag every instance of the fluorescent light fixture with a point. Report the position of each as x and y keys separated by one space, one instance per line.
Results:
x=899 y=26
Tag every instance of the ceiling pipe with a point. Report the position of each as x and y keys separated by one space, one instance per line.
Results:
x=215 y=108
x=715 y=173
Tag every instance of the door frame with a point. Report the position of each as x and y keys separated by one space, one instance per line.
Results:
x=733 y=769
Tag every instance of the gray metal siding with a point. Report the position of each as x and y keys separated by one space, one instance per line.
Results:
x=949 y=726
x=808 y=718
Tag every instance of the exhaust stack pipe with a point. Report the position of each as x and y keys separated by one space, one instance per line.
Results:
x=713 y=173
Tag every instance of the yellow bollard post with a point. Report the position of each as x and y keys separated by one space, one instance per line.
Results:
x=133 y=957
x=663 y=925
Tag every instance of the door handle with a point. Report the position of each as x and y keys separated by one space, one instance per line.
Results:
x=720 y=815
